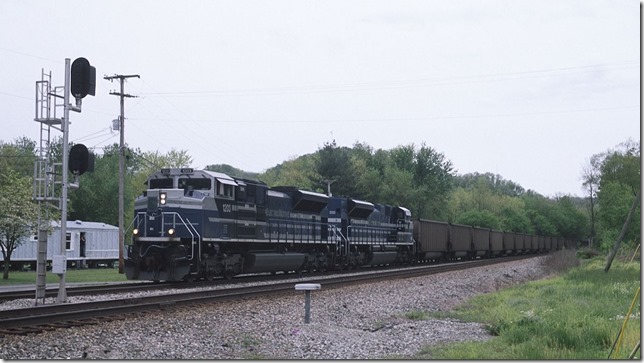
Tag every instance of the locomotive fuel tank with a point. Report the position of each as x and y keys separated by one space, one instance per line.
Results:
x=381 y=258
x=272 y=261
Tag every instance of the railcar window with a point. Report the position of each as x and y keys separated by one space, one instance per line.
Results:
x=165 y=183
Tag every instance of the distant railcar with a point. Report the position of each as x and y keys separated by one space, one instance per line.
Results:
x=480 y=242
x=86 y=244
x=432 y=240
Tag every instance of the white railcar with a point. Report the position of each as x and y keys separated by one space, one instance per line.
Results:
x=87 y=244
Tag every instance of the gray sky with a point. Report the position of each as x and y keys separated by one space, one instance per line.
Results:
x=525 y=89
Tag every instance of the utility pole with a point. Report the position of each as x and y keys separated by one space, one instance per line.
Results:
x=122 y=95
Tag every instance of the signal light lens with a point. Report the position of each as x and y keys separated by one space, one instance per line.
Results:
x=135 y=231
x=162 y=198
x=171 y=231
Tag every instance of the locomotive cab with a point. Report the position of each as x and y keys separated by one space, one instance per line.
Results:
x=165 y=228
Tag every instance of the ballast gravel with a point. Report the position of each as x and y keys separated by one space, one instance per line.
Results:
x=356 y=322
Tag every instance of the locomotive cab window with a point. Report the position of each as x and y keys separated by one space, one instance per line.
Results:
x=226 y=188
x=165 y=183
x=188 y=184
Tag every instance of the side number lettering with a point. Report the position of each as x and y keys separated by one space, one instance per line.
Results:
x=227 y=208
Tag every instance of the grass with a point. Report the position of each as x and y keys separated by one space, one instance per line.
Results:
x=574 y=316
x=72 y=275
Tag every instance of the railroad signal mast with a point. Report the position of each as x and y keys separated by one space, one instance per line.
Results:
x=80 y=80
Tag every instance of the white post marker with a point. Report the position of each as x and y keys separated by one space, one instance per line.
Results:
x=307 y=298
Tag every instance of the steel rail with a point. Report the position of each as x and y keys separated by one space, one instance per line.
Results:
x=38 y=318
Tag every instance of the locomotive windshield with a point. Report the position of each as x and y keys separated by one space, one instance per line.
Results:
x=164 y=183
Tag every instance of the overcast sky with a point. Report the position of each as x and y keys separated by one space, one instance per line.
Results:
x=525 y=89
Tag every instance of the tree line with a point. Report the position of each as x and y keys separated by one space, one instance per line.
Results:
x=417 y=177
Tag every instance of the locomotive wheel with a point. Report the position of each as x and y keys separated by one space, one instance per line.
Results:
x=210 y=276
x=228 y=275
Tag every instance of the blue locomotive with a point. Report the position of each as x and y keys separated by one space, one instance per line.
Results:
x=198 y=224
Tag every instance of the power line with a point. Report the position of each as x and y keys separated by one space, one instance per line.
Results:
x=429 y=118
x=421 y=82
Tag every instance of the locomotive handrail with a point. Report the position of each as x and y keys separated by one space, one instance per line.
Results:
x=356 y=233
x=294 y=227
x=193 y=242
x=188 y=226
x=342 y=242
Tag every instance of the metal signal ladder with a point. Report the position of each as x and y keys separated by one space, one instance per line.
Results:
x=44 y=182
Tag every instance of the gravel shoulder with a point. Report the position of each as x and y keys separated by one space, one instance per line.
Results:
x=358 y=322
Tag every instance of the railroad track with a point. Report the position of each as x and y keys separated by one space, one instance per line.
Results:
x=118 y=288
x=47 y=317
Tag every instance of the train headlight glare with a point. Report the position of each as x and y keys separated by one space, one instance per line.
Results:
x=135 y=231
x=162 y=198
x=171 y=231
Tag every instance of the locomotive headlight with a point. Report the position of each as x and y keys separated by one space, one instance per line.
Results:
x=162 y=198
x=135 y=231
x=171 y=231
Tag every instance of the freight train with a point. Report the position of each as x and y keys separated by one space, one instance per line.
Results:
x=198 y=224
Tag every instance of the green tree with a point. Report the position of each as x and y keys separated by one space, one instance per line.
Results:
x=622 y=166
x=591 y=176
x=615 y=201
x=431 y=179
x=96 y=199
x=368 y=182
x=152 y=161
x=397 y=188
x=488 y=204
x=495 y=182
x=569 y=220
x=619 y=183
x=18 y=214
x=18 y=156
x=479 y=218
x=539 y=210
x=516 y=220
x=333 y=166
x=232 y=171
x=299 y=172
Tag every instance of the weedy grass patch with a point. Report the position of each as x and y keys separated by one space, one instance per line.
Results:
x=574 y=316
x=71 y=275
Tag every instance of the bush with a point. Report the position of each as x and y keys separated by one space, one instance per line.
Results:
x=561 y=261
x=587 y=253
